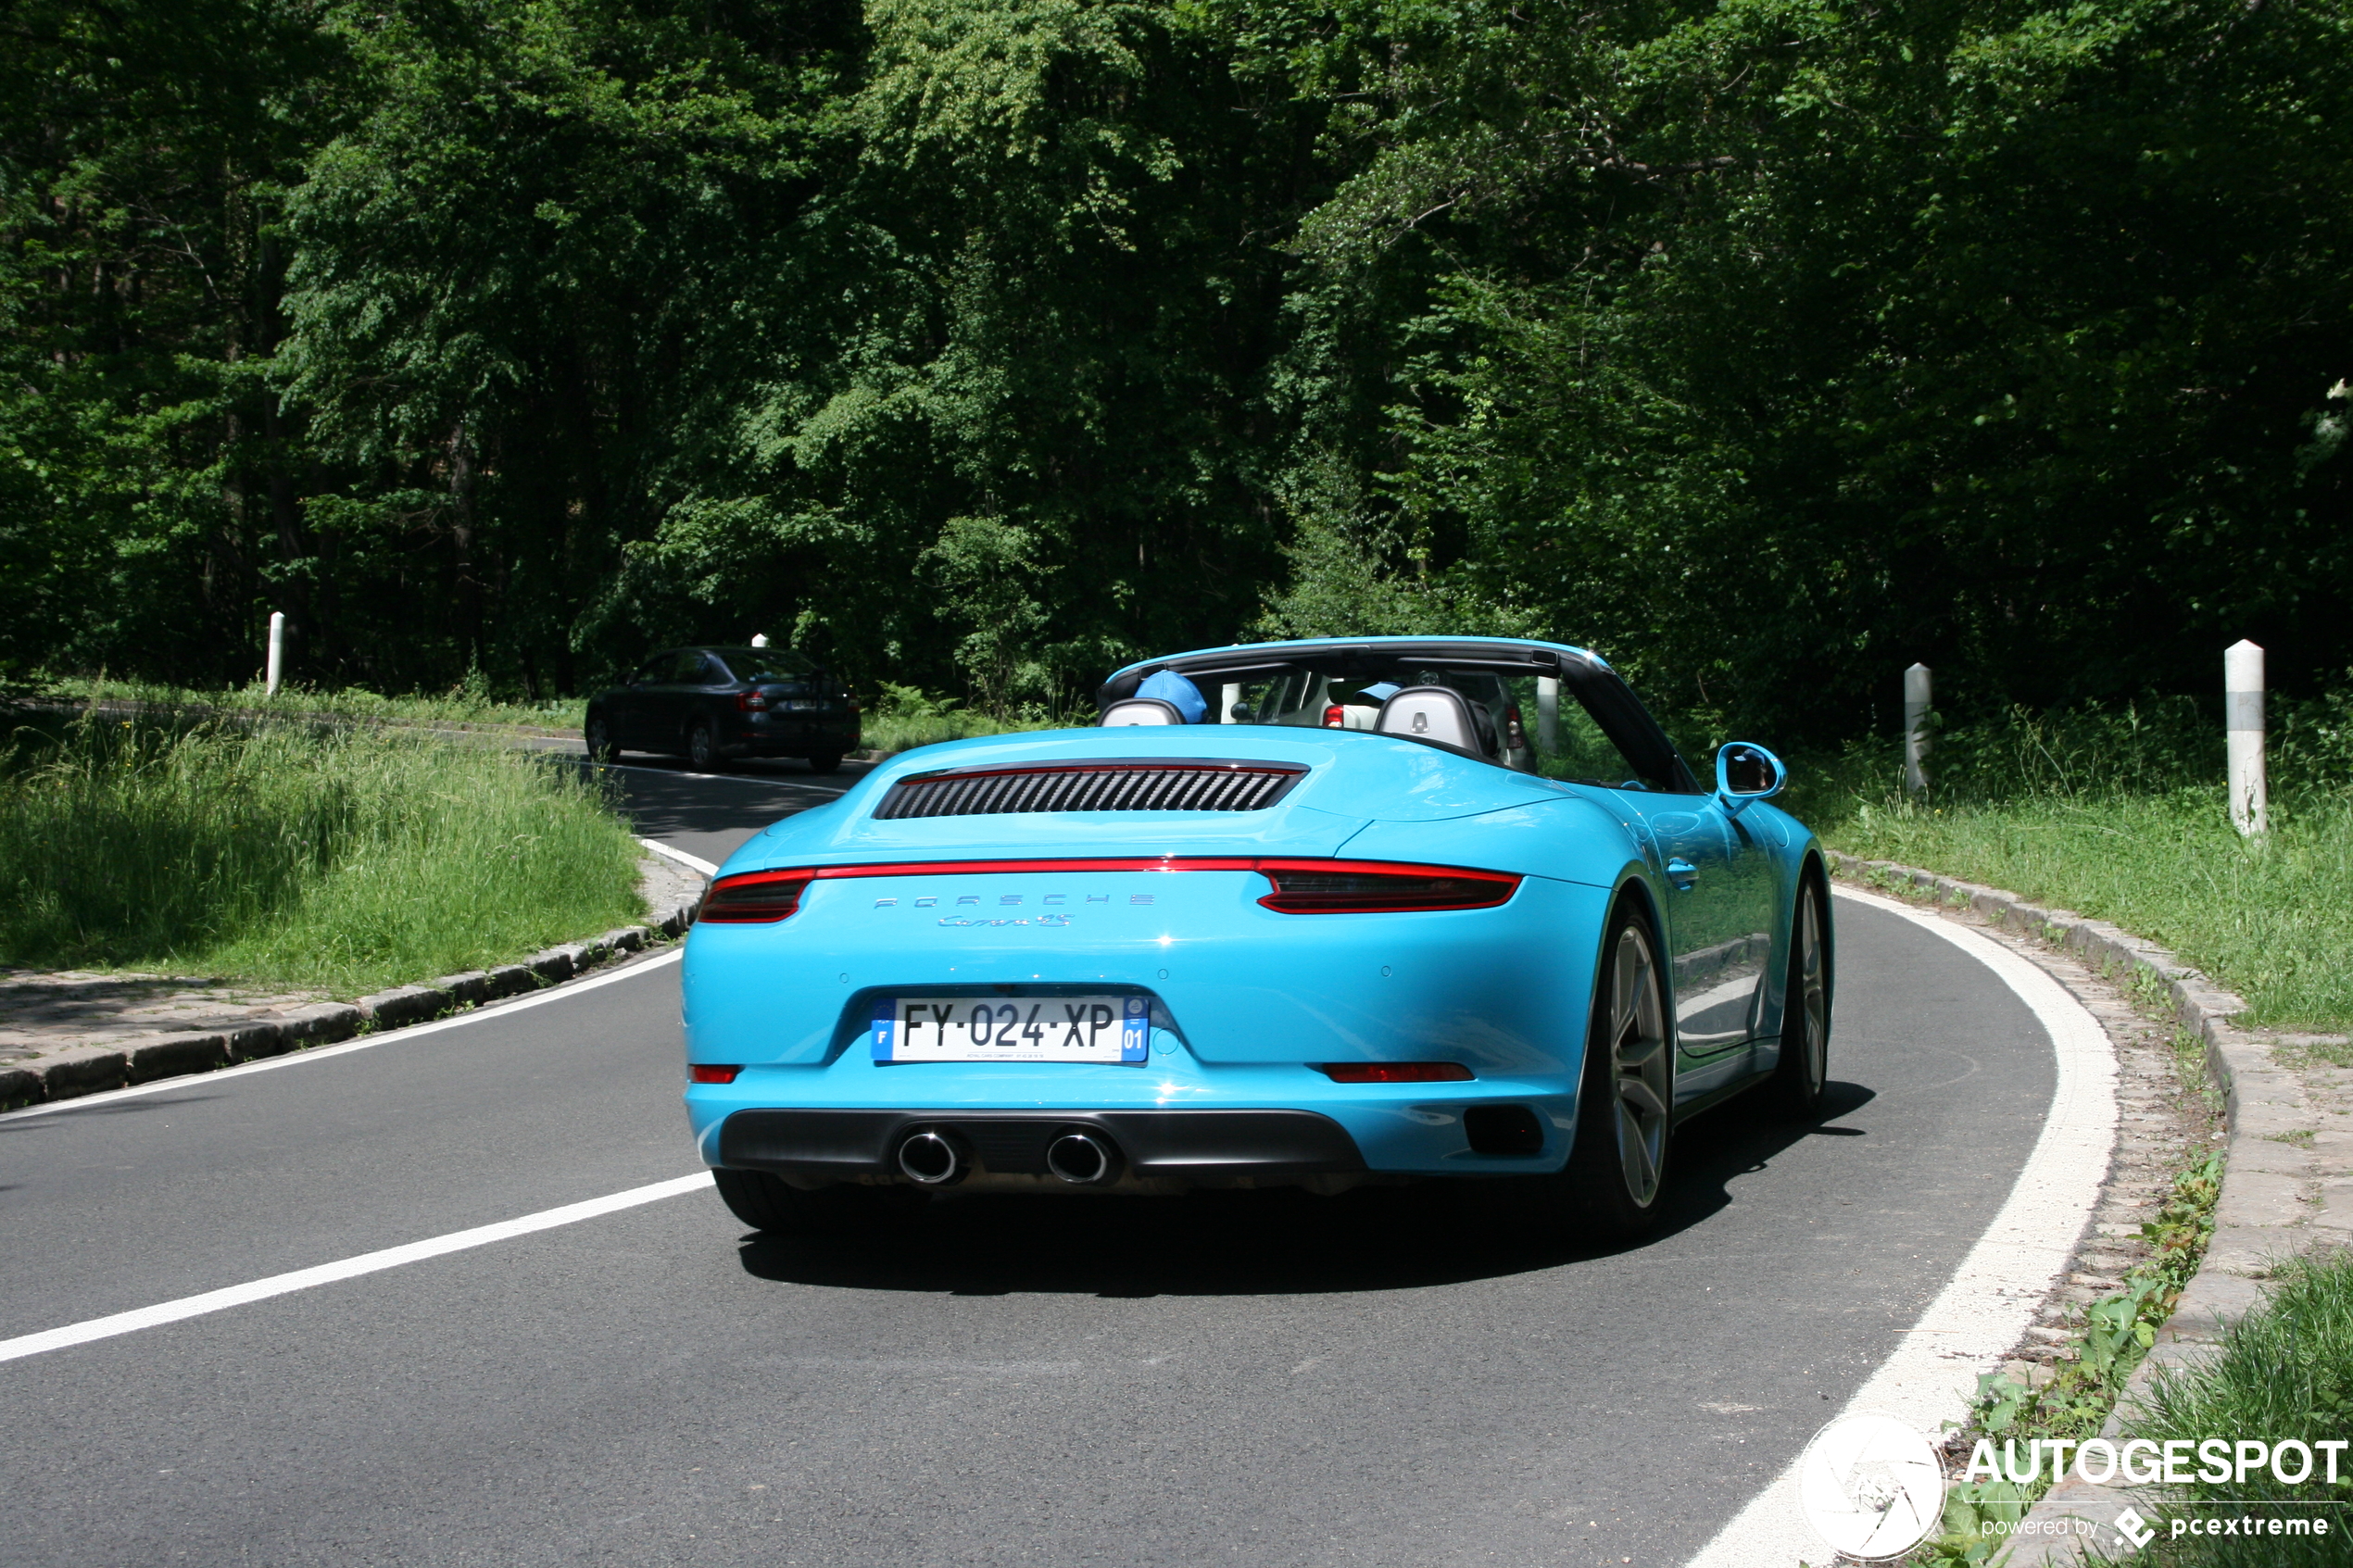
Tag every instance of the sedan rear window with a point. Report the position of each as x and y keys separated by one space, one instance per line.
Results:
x=766 y=664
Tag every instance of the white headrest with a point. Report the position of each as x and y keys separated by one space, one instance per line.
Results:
x=1141 y=711
x=1436 y=713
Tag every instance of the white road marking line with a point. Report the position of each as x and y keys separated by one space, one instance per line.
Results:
x=366 y=1041
x=349 y=1268
x=692 y=862
x=1984 y=1310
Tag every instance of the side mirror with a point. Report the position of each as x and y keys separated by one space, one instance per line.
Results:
x=1745 y=771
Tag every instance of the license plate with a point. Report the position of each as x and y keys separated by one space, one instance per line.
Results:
x=1013 y=1029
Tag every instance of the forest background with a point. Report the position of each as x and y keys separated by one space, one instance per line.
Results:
x=1764 y=346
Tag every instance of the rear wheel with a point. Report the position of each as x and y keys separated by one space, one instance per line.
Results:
x=824 y=762
x=1796 y=1088
x=703 y=748
x=769 y=1203
x=1615 y=1183
x=597 y=733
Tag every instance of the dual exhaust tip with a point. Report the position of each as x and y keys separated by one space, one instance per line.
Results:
x=937 y=1157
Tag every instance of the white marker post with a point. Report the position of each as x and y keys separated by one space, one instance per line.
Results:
x=277 y=651
x=760 y=639
x=1548 y=715
x=1917 y=699
x=2243 y=718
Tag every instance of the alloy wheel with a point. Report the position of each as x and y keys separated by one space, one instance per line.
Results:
x=1639 y=1063
x=1812 y=998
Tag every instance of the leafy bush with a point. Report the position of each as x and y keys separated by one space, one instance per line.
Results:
x=905 y=717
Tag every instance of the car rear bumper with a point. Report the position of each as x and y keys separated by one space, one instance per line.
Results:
x=1194 y=1147
x=1174 y=1119
x=789 y=736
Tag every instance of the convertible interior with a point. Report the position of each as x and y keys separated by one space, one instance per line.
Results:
x=1531 y=709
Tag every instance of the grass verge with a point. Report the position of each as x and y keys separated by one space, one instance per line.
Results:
x=2282 y=1373
x=2271 y=917
x=458 y=707
x=336 y=858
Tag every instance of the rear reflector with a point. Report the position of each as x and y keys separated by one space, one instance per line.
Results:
x=702 y=1072
x=1394 y=1071
x=754 y=898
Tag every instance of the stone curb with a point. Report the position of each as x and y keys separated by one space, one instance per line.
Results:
x=75 y=1071
x=2261 y=1217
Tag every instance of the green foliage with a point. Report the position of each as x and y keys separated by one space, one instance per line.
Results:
x=2285 y=1371
x=980 y=345
x=341 y=857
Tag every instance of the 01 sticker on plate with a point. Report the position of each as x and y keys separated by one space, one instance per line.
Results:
x=1013 y=1029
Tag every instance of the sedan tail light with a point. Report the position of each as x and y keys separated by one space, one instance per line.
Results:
x=1311 y=887
x=754 y=701
x=1335 y=717
x=753 y=899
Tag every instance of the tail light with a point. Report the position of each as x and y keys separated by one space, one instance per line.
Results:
x=1335 y=717
x=1394 y=1071
x=1301 y=887
x=704 y=1073
x=1309 y=887
x=753 y=899
x=1515 y=732
x=754 y=701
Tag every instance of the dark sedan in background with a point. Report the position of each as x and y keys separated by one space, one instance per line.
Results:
x=710 y=704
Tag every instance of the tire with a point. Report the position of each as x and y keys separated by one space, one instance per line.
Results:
x=768 y=1203
x=703 y=748
x=598 y=733
x=1796 y=1085
x=1615 y=1184
x=824 y=762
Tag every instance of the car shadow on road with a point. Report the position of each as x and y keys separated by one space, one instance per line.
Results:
x=1279 y=1242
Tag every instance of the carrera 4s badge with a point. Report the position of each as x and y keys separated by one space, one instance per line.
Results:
x=1041 y=920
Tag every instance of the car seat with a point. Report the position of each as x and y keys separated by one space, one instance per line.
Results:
x=1140 y=710
x=1439 y=714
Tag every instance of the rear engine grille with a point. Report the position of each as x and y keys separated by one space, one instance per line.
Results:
x=1093 y=786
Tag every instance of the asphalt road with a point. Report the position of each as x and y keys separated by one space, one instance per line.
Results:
x=1392 y=1377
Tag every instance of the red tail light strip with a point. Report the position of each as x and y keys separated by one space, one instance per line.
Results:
x=1301 y=887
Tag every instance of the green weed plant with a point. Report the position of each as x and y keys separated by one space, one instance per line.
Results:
x=2283 y=1372
x=341 y=857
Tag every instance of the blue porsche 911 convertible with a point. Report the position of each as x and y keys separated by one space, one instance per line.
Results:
x=1315 y=913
